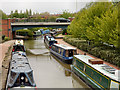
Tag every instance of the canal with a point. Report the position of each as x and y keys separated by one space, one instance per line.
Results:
x=48 y=71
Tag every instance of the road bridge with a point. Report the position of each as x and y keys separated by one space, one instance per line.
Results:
x=22 y=25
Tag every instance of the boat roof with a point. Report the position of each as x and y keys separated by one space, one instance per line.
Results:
x=20 y=63
x=50 y=38
x=64 y=46
x=19 y=42
x=103 y=68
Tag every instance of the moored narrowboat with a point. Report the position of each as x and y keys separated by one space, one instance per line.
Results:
x=20 y=73
x=49 y=40
x=37 y=33
x=96 y=73
x=18 y=47
x=63 y=52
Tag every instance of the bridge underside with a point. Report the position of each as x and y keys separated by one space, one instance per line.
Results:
x=17 y=27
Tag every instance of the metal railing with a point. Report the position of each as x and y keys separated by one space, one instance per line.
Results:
x=33 y=20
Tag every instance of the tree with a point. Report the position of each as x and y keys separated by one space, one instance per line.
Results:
x=30 y=12
x=2 y=15
x=99 y=23
x=66 y=14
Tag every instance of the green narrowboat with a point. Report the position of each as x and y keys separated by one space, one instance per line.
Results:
x=96 y=73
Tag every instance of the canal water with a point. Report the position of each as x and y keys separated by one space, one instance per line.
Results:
x=47 y=70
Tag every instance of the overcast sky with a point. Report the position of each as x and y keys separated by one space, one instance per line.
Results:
x=51 y=6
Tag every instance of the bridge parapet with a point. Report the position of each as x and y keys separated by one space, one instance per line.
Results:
x=39 y=23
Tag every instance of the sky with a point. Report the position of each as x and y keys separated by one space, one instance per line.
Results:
x=51 y=6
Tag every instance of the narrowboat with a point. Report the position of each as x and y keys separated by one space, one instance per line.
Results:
x=37 y=33
x=45 y=31
x=49 y=40
x=96 y=73
x=20 y=73
x=63 y=52
x=18 y=47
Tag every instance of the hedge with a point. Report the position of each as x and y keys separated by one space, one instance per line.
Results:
x=24 y=33
x=6 y=39
x=104 y=52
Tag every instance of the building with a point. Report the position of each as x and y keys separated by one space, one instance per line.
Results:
x=6 y=28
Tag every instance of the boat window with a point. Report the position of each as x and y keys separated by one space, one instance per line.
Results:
x=62 y=51
x=59 y=50
x=70 y=52
x=66 y=53
x=56 y=49
x=19 y=48
x=75 y=52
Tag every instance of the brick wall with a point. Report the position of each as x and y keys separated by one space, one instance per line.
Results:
x=6 y=27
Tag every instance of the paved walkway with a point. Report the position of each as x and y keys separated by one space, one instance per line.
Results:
x=3 y=49
x=61 y=41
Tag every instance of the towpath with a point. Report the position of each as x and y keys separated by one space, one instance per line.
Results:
x=3 y=49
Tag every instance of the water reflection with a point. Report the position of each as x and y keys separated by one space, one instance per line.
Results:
x=48 y=71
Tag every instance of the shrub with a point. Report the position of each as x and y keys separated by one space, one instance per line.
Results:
x=24 y=32
x=104 y=52
x=64 y=32
x=7 y=38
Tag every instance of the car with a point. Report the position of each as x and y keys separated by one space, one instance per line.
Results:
x=62 y=20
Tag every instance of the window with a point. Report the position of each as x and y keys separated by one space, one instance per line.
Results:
x=70 y=53
x=62 y=51
x=66 y=53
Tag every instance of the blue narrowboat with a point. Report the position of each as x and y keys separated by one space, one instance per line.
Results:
x=49 y=40
x=20 y=73
x=63 y=52
x=96 y=73
x=45 y=31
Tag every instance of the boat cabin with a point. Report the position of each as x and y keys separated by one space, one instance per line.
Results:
x=64 y=50
x=18 y=47
x=19 y=42
x=20 y=74
x=94 y=70
x=49 y=40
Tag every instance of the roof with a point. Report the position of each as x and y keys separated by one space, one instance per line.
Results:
x=17 y=42
x=50 y=38
x=64 y=46
x=103 y=68
x=20 y=63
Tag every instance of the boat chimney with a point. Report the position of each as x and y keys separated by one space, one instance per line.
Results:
x=117 y=74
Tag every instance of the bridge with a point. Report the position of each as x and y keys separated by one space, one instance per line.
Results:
x=22 y=25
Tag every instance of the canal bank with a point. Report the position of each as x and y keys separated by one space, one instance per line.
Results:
x=48 y=71
x=5 y=57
